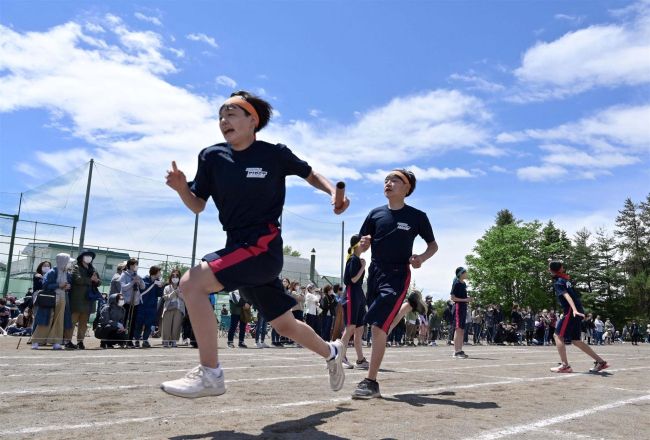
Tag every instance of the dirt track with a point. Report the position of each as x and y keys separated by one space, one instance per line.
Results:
x=499 y=392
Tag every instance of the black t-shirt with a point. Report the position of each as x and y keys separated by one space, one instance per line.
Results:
x=459 y=289
x=563 y=286
x=248 y=187
x=352 y=268
x=393 y=232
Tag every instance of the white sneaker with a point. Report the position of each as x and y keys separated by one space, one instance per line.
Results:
x=335 y=367
x=346 y=364
x=265 y=345
x=363 y=365
x=57 y=347
x=259 y=345
x=198 y=382
x=35 y=346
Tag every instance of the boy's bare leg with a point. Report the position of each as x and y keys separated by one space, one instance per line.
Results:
x=587 y=349
x=287 y=325
x=561 y=349
x=358 y=333
x=401 y=314
x=458 y=339
x=196 y=284
x=378 y=349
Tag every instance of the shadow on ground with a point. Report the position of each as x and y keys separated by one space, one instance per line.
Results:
x=304 y=428
x=420 y=400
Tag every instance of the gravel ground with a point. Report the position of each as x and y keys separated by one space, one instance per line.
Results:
x=498 y=392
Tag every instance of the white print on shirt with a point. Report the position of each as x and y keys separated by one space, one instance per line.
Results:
x=403 y=226
x=224 y=152
x=256 y=173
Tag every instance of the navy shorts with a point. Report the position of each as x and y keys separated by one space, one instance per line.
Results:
x=387 y=287
x=355 y=306
x=251 y=263
x=568 y=328
x=460 y=315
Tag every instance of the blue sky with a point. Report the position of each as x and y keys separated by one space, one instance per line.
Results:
x=539 y=107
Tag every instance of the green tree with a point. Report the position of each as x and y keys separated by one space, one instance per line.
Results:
x=582 y=261
x=608 y=281
x=288 y=250
x=505 y=217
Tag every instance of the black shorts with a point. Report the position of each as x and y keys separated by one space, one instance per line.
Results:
x=251 y=263
x=568 y=328
x=460 y=315
x=387 y=287
x=355 y=306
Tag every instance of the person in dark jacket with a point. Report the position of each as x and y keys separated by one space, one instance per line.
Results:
x=84 y=278
x=328 y=306
x=148 y=310
x=43 y=268
x=237 y=303
x=110 y=328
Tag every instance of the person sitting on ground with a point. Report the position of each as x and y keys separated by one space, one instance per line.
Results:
x=110 y=329
x=23 y=324
x=5 y=314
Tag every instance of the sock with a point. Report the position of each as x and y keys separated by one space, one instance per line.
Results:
x=333 y=352
x=371 y=380
x=217 y=372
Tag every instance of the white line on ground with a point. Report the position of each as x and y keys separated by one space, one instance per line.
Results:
x=59 y=427
x=520 y=429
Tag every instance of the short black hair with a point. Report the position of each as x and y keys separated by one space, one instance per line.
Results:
x=555 y=266
x=131 y=262
x=263 y=108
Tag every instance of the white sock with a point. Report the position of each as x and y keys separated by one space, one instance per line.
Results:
x=333 y=351
x=217 y=372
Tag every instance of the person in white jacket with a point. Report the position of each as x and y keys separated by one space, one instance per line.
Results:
x=312 y=299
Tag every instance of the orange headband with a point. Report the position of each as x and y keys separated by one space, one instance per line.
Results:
x=240 y=101
x=401 y=175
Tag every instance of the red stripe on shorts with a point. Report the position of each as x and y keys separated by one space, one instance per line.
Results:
x=243 y=254
x=398 y=303
x=565 y=324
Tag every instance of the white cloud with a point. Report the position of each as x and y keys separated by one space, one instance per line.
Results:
x=224 y=80
x=541 y=173
x=203 y=38
x=576 y=19
x=498 y=169
x=147 y=18
x=315 y=113
x=475 y=82
x=600 y=55
x=423 y=174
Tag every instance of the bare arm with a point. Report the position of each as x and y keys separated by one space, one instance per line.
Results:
x=454 y=298
x=417 y=260
x=178 y=182
x=572 y=304
x=321 y=182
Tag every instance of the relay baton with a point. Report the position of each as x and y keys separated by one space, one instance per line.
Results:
x=339 y=195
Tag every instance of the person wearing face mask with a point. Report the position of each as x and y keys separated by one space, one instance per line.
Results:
x=148 y=309
x=84 y=278
x=50 y=322
x=43 y=268
x=110 y=329
x=132 y=285
x=174 y=310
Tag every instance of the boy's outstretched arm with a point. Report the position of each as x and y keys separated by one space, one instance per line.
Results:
x=321 y=182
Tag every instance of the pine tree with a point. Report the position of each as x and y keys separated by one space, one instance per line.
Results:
x=505 y=217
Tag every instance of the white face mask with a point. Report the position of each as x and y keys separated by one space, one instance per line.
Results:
x=88 y=259
x=45 y=269
x=120 y=303
x=175 y=280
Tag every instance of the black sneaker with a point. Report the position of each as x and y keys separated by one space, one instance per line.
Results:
x=146 y=344
x=231 y=345
x=129 y=344
x=460 y=355
x=242 y=345
x=137 y=344
x=70 y=346
x=367 y=389
x=81 y=346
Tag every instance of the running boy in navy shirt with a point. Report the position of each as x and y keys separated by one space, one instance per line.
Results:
x=246 y=180
x=391 y=231
x=355 y=303
x=568 y=328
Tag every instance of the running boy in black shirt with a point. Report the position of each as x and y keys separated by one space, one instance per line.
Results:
x=246 y=180
x=391 y=231
x=569 y=326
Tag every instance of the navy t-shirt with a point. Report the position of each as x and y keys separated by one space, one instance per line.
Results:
x=393 y=232
x=352 y=268
x=459 y=290
x=563 y=286
x=248 y=187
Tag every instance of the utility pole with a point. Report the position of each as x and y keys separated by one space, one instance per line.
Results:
x=196 y=229
x=82 y=235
